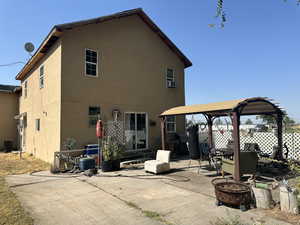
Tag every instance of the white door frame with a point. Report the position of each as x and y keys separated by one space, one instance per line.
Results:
x=147 y=130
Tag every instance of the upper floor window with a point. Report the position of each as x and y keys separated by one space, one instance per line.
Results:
x=170 y=78
x=25 y=88
x=37 y=124
x=171 y=124
x=42 y=75
x=91 y=62
x=94 y=111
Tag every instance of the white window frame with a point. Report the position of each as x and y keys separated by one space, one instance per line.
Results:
x=42 y=77
x=170 y=122
x=85 y=62
x=25 y=88
x=173 y=78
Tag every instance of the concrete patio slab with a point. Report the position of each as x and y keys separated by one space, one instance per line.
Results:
x=69 y=201
x=180 y=198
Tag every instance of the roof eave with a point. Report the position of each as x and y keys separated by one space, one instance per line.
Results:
x=53 y=35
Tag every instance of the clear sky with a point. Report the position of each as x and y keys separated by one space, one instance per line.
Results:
x=256 y=54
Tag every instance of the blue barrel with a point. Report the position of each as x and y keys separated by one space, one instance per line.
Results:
x=86 y=163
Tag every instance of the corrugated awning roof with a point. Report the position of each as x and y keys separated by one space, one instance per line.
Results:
x=247 y=106
x=57 y=31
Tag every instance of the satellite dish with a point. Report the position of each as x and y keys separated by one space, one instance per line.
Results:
x=29 y=47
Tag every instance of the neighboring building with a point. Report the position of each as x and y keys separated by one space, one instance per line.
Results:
x=9 y=108
x=121 y=66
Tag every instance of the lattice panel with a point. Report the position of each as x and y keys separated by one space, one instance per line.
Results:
x=221 y=139
x=115 y=129
x=292 y=141
x=265 y=140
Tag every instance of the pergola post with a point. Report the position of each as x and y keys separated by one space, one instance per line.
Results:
x=163 y=133
x=236 y=139
x=210 y=131
x=279 y=119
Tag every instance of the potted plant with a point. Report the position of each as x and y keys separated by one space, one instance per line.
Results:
x=112 y=152
x=107 y=155
x=118 y=151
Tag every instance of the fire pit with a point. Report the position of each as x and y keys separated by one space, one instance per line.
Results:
x=232 y=193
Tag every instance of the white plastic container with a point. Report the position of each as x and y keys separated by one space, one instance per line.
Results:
x=263 y=197
x=288 y=200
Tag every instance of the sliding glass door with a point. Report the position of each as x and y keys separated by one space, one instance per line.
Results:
x=136 y=131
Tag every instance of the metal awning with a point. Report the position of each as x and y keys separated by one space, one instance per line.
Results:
x=246 y=106
x=235 y=109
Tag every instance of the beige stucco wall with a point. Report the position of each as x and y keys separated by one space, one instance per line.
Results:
x=9 y=108
x=43 y=104
x=132 y=76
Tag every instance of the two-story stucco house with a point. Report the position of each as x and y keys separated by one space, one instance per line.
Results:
x=121 y=66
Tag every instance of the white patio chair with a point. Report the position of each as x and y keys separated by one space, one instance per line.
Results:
x=161 y=164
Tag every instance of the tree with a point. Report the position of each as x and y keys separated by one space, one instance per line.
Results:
x=288 y=122
x=219 y=122
x=270 y=120
x=267 y=119
x=249 y=122
x=222 y=15
x=188 y=123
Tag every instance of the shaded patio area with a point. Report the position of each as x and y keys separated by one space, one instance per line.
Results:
x=234 y=109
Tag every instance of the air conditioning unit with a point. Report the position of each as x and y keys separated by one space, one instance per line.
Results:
x=171 y=84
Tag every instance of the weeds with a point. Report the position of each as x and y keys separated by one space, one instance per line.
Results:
x=149 y=214
x=132 y=205
x=232 y=220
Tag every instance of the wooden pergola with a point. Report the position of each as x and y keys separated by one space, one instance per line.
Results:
x=234 y=109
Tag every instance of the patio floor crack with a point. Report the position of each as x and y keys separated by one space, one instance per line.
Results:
x=150 y=214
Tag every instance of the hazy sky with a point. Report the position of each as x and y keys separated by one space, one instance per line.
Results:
x=256 y=54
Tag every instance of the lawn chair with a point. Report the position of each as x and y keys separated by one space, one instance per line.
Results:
x=160 y=165
x=248 y=163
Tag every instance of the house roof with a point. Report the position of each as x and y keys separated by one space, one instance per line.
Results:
x=57 y=31
x=246 y=106
x=8 y=88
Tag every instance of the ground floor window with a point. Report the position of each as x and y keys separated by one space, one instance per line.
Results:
x=94 y=112
x=171 y=124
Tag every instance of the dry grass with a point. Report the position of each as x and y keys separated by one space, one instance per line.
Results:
x=12 y=164
x=11 y=211
x=233 y=220
x=278 y=214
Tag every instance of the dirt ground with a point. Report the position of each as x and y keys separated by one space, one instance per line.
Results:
x=11 y=210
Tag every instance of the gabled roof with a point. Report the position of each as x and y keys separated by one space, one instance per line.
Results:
x=57 y=31
x=246 y=106
x=8 y=88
